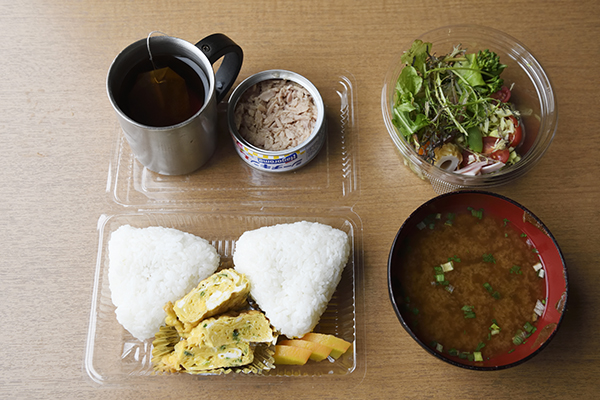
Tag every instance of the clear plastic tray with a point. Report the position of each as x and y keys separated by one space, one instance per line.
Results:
x=114 y=356
x=324 y=191
x=330 y=178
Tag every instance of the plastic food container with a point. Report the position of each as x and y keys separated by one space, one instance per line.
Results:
x=285 y=160
x=532 y=94
x=142 y=198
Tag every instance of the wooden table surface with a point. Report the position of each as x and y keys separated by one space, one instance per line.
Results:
x=57 y=135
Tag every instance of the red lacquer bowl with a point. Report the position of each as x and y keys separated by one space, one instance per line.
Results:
x=539 y=236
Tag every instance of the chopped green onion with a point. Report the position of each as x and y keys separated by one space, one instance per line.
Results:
x=506 y=221
x=421 y=225
x=539 y=269
x=541 y=273
x=438 y=216
x=489 y=258
x=477 y=356
x=529 y=328
x=516 y=270
x=539 y=308
x=521 y=336
x=494 y=294
x=470 y=357
x=518 y=339
x=449 y=266
x=476 y=213
x=439 y=278
x=454 y=259
x=468 y=311
x=439 y=347
x=480 y=346
x=511 y=350
x=523 y=235
x=453 y=352
x=450 y=288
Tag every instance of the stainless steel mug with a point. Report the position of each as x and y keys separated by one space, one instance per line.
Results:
x=184 y=147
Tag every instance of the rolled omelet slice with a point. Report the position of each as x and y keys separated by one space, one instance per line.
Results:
x=192 y=358
x=234 y=327
x=171 y=319
x=223 y=291
x=162 y=347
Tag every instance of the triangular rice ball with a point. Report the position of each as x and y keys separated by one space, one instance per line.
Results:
x=293 y=271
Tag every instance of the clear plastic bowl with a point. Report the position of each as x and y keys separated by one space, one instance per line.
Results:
x=532 y=95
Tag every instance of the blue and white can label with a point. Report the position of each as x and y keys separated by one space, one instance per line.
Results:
x=280 y=162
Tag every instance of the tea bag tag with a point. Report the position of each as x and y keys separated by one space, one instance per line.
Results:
x=160 y=96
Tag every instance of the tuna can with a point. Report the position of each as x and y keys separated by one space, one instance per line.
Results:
x=282 y=160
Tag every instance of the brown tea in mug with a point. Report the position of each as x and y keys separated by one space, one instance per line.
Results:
x=164 y=91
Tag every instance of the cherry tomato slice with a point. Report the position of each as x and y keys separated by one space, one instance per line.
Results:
x=500 y=155
x=516 y=137
x=503 y=94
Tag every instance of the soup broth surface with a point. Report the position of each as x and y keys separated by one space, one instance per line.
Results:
x=488 y=296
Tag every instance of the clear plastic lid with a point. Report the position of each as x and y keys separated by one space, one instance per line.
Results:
x=114 y=357
x=331 y=178
x=322 y=191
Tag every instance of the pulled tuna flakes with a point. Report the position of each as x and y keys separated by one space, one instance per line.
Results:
x=275 y=114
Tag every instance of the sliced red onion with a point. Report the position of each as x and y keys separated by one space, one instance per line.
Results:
x=492 y=167
x=472 y=169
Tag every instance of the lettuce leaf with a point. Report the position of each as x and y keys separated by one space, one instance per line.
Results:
x=417 y=55
x=470 y=70
x=407 y=115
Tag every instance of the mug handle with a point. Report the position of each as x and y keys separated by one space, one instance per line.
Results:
x=216 y=46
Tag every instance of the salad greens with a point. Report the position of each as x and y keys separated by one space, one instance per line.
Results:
x=456 y=105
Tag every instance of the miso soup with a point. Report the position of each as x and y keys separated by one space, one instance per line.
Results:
x=472 y=285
